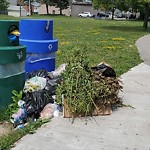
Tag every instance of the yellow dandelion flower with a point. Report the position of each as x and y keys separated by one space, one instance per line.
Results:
x=60 y=34
x=64 y=43
x=118 y=39
x=109 y=47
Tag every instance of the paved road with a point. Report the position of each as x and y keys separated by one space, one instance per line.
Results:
x=125 y=129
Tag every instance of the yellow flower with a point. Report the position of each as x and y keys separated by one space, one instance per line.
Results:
x=94 y=31
x=60 y=34
x=64 y=43
x=111 y=47
x=118 y=39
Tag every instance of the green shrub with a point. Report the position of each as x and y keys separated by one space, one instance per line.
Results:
x=83 y=88
x=13 y=107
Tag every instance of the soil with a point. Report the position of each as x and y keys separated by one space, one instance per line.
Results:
x=5 y=128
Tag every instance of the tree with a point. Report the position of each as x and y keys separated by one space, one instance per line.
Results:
x=27 y=3
x=61 y=4
x=107 y=5
x=144 y=7
x=48 y=3
x=146 y=4
x=3 y=5
x=125 y=5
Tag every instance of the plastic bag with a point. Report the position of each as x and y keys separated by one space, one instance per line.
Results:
x=34 y=84
x=105 y=70
x=57 y=72
x=48 y=111
x=51 y=85
x=19 y=117
x=36 y=101
x=40 y=73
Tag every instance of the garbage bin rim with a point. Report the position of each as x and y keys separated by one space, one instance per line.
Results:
x=12 y=47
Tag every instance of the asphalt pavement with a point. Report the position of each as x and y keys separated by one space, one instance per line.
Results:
x=128 y=128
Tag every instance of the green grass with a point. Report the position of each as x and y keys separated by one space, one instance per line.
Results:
x=7 y=141
x=110 y=41
x=104 y=40
x=96 y=36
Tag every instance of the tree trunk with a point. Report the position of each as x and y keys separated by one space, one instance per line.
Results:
x=47 y=9
x=145 y=24
x=31 y=11
x=112 y=14
x=20 y=10
x=60 y=11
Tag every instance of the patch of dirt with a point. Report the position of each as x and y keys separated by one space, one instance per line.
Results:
x=5 y=128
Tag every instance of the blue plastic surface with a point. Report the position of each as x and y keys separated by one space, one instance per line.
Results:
x=40 y=46
x=37 y=35
x=33 y=29
x=47 y=64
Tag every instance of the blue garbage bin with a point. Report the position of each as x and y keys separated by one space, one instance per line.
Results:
x=40 y=44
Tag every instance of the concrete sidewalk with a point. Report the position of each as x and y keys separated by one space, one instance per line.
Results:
x=143 y=45
x=126 y=128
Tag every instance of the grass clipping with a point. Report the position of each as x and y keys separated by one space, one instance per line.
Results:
x=85 y=90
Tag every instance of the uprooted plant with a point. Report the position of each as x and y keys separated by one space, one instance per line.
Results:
x=84 y=89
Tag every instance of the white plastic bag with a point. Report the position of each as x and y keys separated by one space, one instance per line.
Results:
x=34 y=84
x=59 y=70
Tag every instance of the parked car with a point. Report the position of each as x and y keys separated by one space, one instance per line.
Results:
x=129 y=15
x=85 y=14
x=117 y=13
x=101 y=15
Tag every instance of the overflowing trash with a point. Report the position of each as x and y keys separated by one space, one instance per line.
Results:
x=39 y=92
x=38 y=98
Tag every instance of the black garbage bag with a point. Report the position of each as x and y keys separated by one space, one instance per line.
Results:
x=51 y=84
x=105 y=70
x=36 y=101
x=40 y=73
